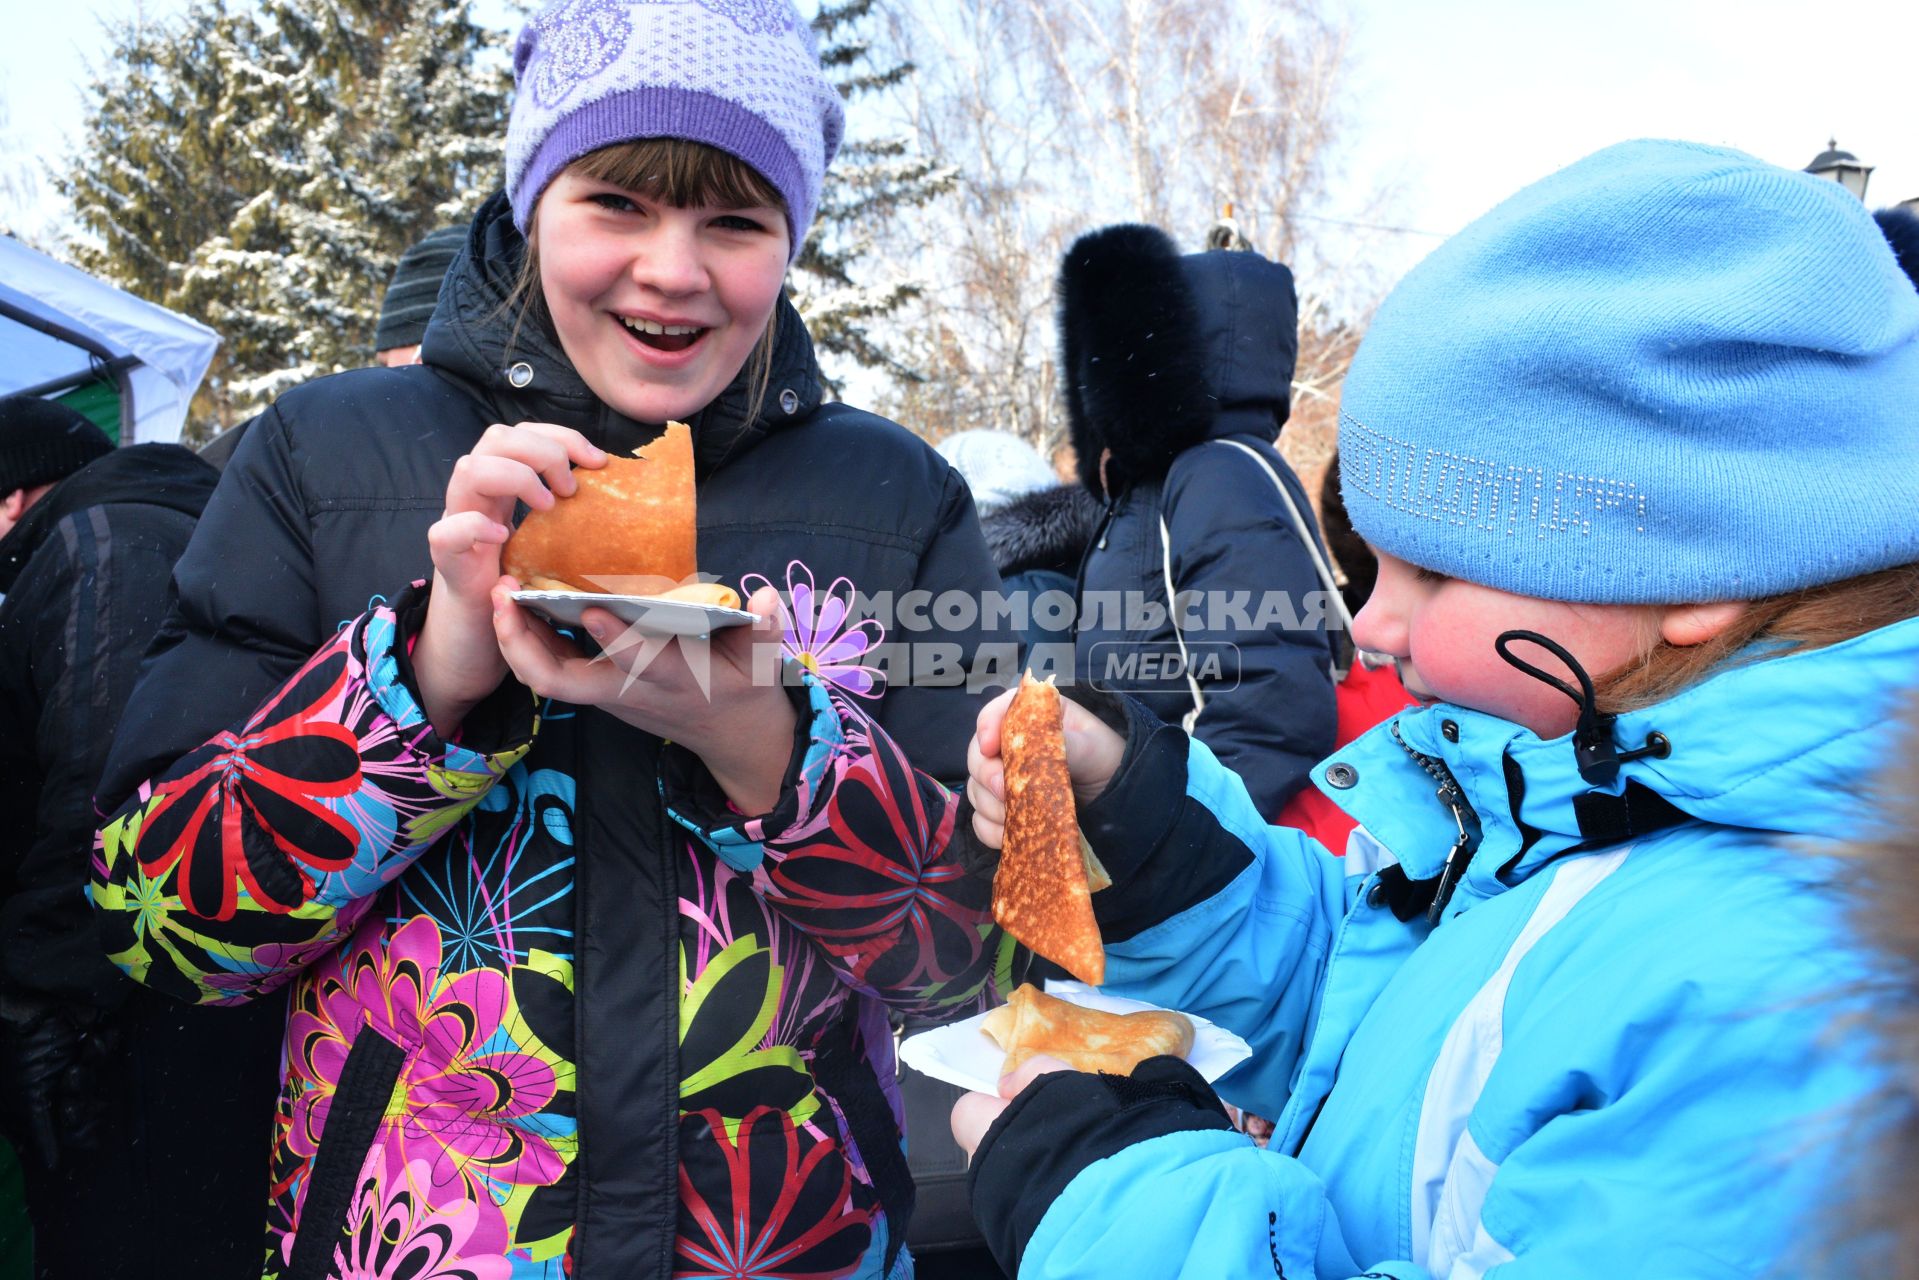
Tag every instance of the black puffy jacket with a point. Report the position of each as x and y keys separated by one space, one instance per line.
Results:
x=1165 y=356
x=114 y=1095
x=84 y=574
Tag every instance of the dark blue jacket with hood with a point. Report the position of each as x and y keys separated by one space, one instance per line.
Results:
x=1165 y=357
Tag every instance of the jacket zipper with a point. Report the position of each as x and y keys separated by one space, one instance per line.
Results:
x=1097 y=544
x=1465 y=817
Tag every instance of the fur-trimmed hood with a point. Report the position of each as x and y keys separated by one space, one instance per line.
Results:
x=1045 y=529
x=1882 y=892
x=1160 y=352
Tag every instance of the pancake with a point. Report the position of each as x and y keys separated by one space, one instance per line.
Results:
x=1032 y=1023
x=1042 y=894
x=630 y=529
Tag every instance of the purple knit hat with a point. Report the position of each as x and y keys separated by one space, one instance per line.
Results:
x=740 y=75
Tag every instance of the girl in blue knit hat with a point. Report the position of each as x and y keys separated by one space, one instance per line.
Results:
x=1637 y=451
x=584 y=981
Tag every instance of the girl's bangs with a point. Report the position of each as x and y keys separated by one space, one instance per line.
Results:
x=681 y=173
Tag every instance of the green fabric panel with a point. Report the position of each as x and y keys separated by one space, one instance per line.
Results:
x=99 y=402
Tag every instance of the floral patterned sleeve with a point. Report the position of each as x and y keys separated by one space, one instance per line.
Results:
x=222 y=877
x=857 y=854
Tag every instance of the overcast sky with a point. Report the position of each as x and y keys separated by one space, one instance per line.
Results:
x=1453 y=104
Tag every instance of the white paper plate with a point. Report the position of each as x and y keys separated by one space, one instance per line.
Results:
x=962 y=1054
x=648 y=613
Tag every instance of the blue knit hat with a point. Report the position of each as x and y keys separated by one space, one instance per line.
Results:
x=740 y=75
x=1666 y=374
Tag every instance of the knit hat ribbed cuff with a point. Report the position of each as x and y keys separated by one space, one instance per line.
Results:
x=664 y=112
x=415 y=288
x=42 y=441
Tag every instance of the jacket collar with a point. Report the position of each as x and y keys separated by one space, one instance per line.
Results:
x=158 y=475
x=1784 y=746
x=477 y=335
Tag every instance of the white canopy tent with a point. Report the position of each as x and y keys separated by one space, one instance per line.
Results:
x=61 y=328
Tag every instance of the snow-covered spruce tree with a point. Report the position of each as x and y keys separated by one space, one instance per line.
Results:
x=337 y=133
x=838 y=285
x=163 y=161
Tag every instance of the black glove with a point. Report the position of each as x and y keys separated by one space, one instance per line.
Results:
x=53 y=1085
x=1035 y=1148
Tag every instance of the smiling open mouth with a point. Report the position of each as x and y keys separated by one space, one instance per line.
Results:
x=662 y=337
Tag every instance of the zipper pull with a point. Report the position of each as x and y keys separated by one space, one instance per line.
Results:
x=1456 y=857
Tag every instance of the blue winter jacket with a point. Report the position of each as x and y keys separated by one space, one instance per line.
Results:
x=1612 y=1056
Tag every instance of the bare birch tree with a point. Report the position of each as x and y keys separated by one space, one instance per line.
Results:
x=22 y=211
x=1066 y=115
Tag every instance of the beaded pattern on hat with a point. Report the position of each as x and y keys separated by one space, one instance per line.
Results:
x=1511 y=498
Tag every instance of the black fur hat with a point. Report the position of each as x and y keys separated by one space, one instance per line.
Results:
x=1132 y=358
x=1901 y=229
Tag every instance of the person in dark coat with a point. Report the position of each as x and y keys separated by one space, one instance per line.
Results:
x=1038 y=540
x=1168 y=361
x=125 y=1106
x=584 y=981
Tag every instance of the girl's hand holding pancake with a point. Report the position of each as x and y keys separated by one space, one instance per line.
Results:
x=1093 y=754
x=457 y=659
x=733 y=714
x=974 y=1113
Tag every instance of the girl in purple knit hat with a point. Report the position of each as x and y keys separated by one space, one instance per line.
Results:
x=590 y=961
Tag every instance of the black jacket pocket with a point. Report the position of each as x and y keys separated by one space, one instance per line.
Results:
x=353 y=1121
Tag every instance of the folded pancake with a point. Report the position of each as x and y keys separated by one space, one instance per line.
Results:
x=704 y=593
x=1032 y=1022
x=630 y=528
x=1041 y=893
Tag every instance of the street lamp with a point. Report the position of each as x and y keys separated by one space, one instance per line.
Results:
x=1842 y=167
